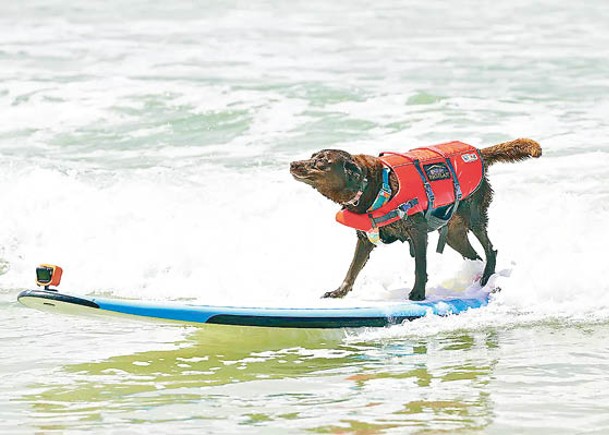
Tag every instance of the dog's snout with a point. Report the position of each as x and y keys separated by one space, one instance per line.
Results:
x=297 y=165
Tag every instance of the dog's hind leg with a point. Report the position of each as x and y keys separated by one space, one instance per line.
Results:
x=478 y=223
x=457 y=238
x=489 y=252
x=362 y=252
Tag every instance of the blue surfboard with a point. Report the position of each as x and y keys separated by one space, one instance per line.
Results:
x=367 y=314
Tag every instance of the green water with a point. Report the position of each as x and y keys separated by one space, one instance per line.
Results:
x=249 y=380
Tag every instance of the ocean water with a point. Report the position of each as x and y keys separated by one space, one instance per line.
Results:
x=145 y=147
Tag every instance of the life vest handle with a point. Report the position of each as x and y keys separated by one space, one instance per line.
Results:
x=392 y=153
x=433 y=150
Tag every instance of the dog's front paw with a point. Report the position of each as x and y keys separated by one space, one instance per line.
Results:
x=339 y=293
x=417 y=295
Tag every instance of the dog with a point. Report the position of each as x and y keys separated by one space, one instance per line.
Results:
x=356 y=182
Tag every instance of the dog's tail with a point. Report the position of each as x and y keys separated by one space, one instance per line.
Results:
x=512 y=151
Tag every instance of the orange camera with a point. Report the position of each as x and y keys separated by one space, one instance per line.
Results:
x=48 y=275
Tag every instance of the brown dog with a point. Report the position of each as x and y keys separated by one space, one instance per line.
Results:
x=354 y=181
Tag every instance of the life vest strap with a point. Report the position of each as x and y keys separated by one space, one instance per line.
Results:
x=431 y=198
x=401 y=211
x=430 y=208
x=451 y=169
x=442 y=239
x=458 y=196
x=456 y=185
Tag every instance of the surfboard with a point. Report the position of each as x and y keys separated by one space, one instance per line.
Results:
x=366 y=314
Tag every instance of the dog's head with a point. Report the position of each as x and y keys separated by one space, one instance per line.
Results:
x=333 y=173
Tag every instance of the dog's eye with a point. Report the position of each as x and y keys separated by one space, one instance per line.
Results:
x=321 y=164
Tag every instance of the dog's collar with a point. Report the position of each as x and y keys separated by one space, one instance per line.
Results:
x=384 y=194
x=381 y=198
x=355 y=200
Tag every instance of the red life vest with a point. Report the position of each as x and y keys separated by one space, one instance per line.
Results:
x=429 y=178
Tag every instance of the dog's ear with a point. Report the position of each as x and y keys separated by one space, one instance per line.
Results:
x=353 y=174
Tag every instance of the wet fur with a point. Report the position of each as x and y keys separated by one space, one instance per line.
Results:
x=338 y=176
